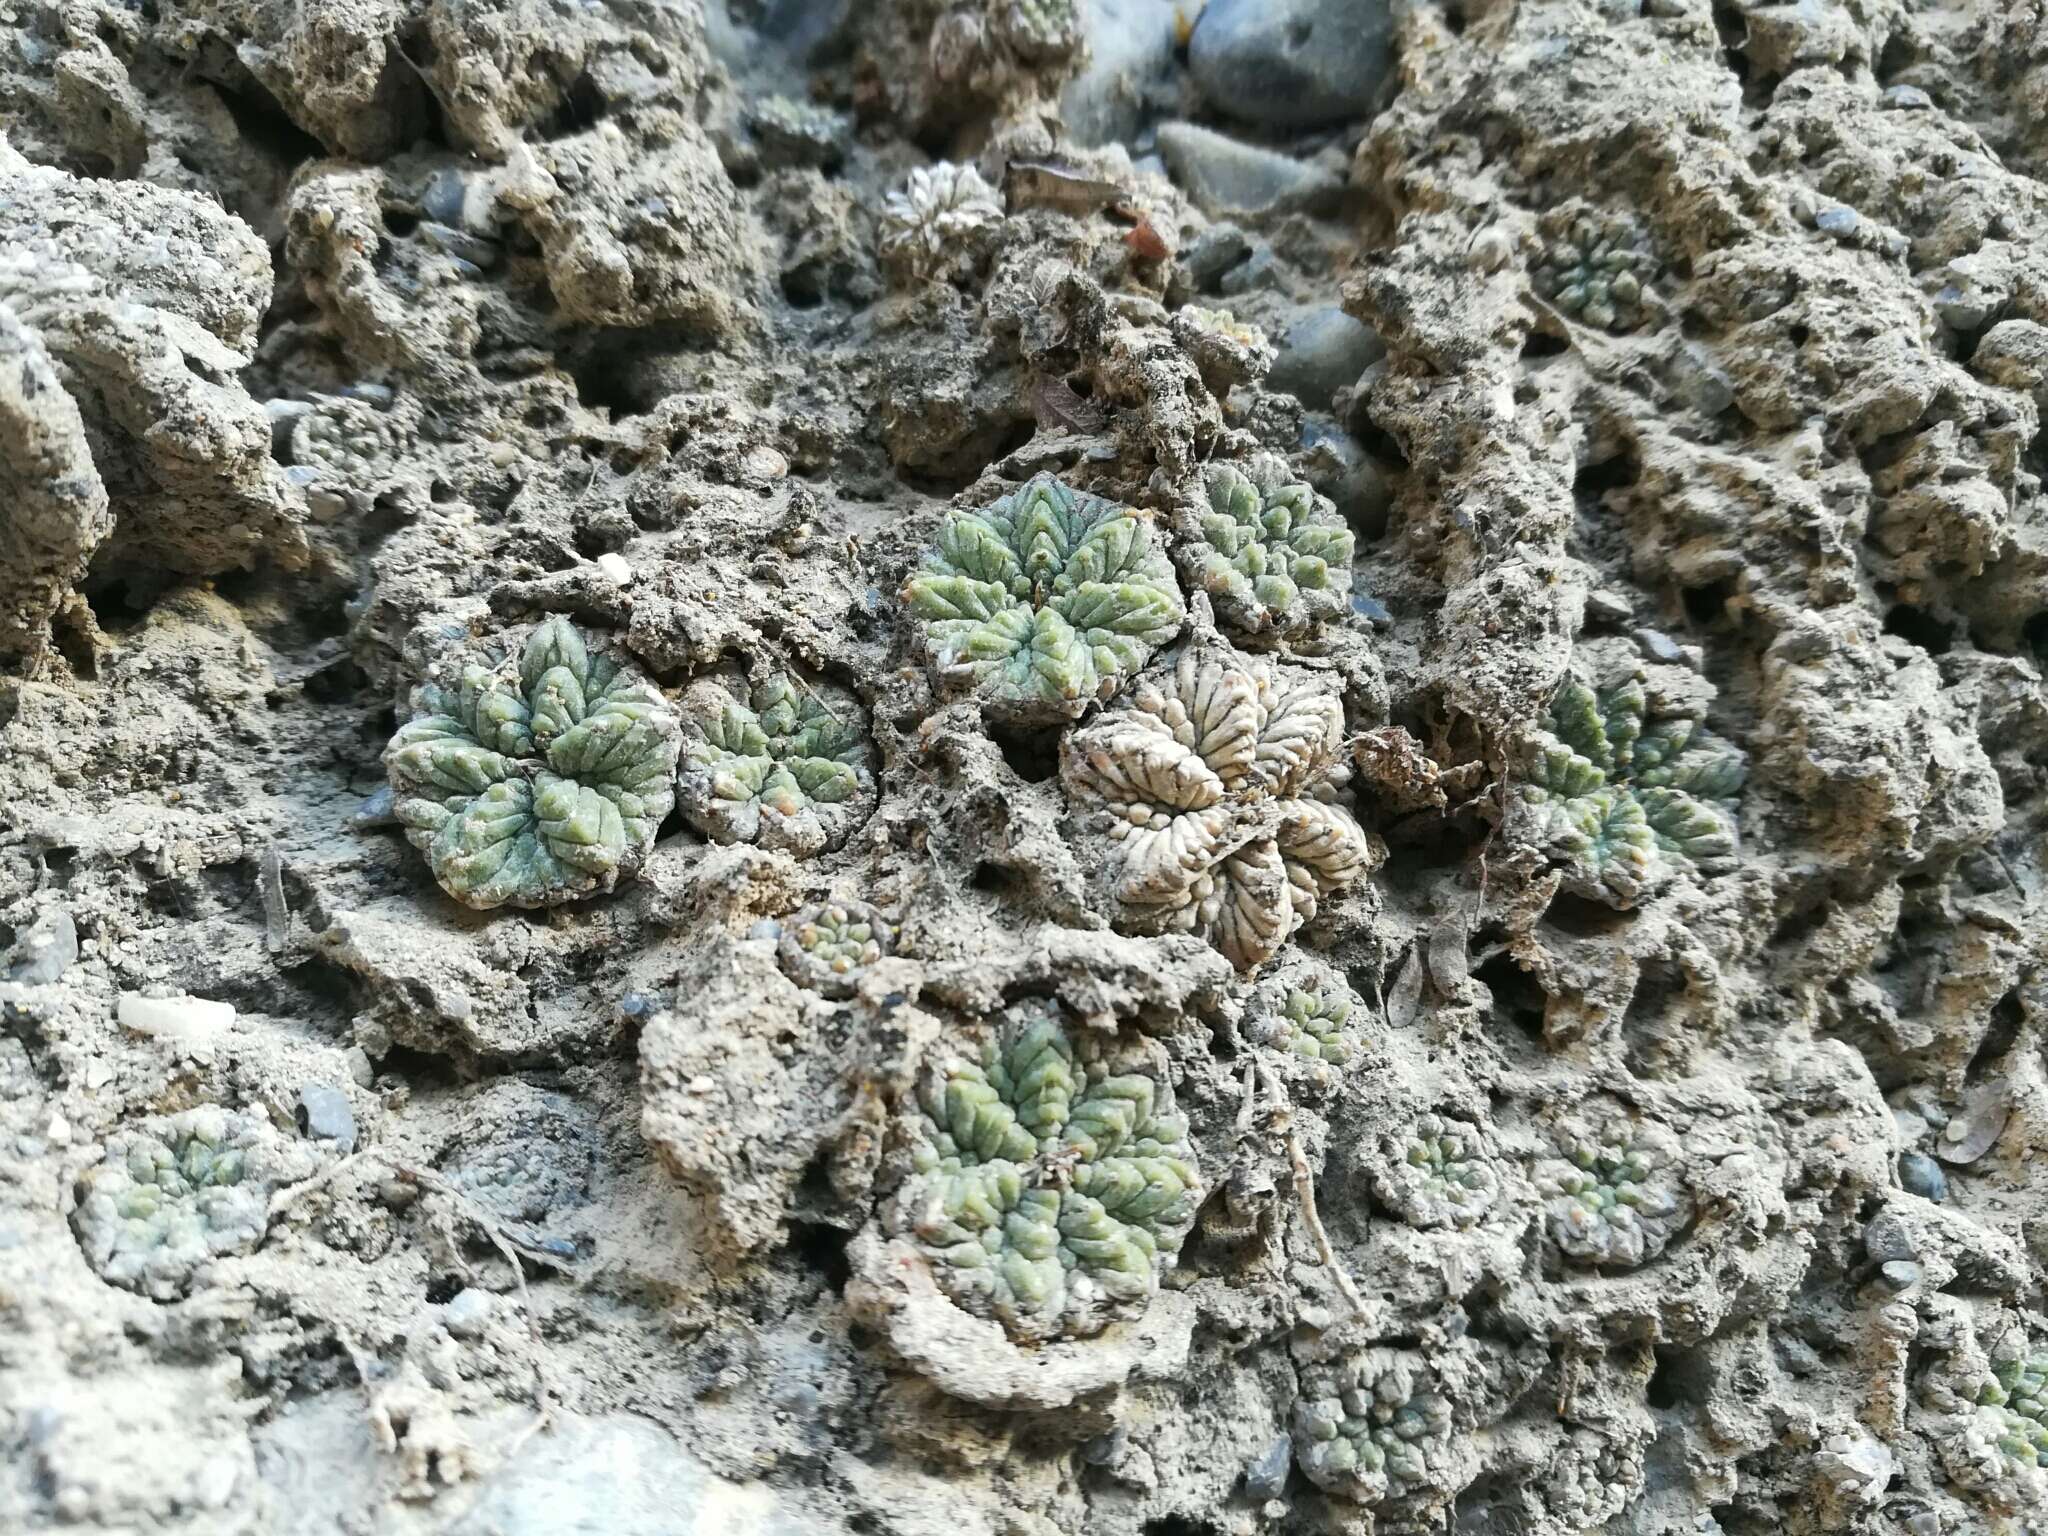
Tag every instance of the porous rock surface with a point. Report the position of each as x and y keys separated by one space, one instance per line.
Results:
x=1540 y=1177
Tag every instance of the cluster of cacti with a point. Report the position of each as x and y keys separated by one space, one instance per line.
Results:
x=1617 y=1195
x=927 y=223
x=1596 y=267
x=1039 y=31
x=1052 y=1182
x=1272 y=554
x=1226 y=351
x=1436 y=1175
x=1621 y=799
x=1045 y=601
x=165 y=1199
x=1210 y=792
x=2017 y=1395
x=825 y=947
x=786 y=769
x=1372 y=1427
x=1308 y=1024
x=535 y=785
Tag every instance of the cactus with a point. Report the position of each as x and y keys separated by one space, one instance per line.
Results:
x=1596 y=268
x=787 y=770
x=934 y=217
x=1051 y=1185
x=1623 y=800
x=1272 y=554
x=535 y=786
x=1209 y=792
x=825 y=947
x=1045 y=601
x=1309 y=1024
x=1040 y=31
x=2016 y=1397
x=1616 y=1196
x=175 y=1194
x=1437 y=1175
x=1226 y=351
x=1373 y=1427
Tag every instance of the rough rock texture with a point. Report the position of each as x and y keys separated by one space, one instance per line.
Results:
x=1543 y=914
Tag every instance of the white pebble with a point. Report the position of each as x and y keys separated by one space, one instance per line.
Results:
x=615 y=568
x=175 y=1018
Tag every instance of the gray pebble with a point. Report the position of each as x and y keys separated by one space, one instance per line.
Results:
x=468 y=1313
x=445 y=194
x=1701 y=382
x=1292 y=63
x=1664 y=8
x=1226 y=175
x=638 y=1005
x=1901 y=1274
x=1105 y=1449
x=1658 y=646
x=1921 y=1175
x=1266 y=1477
x=1372 y=610
x=324 y=1115
x=1925 y=1523
x=375 y=811
x=46 y=951
x=1907 y=98
x=1886 y=1239
x=1261 y=270
x=1607 y=606
x=1842 y=223
x=1336 y=465
x=765 y=928
x=1958 y=311
x=379 y=395
x=1213 y=253
x=1320 y=350
x=460 y=244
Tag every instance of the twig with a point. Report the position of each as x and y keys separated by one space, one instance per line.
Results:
x=1305 y=1192
x=426 y=1178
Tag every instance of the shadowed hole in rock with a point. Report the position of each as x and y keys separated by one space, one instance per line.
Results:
x=1583 y=917
x=2034 y=635
x=264 y=125
x=1935 y=636
x=1177 y=1525
x=1654 y=1026
x=1033 y=755
x=1540 y=343
x=1704 y=604
x=821 y=1248
x=2004 y=1032
x=1516 y=998
x=997 y=879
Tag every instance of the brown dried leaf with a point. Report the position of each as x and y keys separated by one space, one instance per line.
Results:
x=1055 y=404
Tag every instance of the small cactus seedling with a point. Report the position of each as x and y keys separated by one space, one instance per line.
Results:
x=938 y=212
x=787 y=770
x=826 y=947
x=1306 y=1021
x=1622 y=799
x=1596 y=268
x=1617 y=1196
x=1211 y=788
x=1040 y=31
x=1373 y=1427
x=1045 y=601
x=1051 y=1186
x=540 y=786
x=1227 y=351
x=2016 y=1396
x=1436 y=1175
x=175 y=1194
x=1272 y=554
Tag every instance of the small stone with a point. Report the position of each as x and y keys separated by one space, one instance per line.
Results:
x=468 y=1313
x=1292 y=63
x=1490 y=250
x=1260 y=270
x=1320 y=350
x=1921 y=1175
x=1886 y=1239
x=1666 y=9
x=1700 y=381
x=324 y=1115
x=638 y=1005
x=1212 y=253
x=1334 y=463
x=1959 y=311
x=1108 y=1448
x=1906 y=98
x=1900 y=1274
x=445 y=194
x=46 y=951
x=615 y=568
x=182 y=1018
x=360 y=1072
x=1842 y=223
x=1925 y=1523
x=1802 y=207
x=1225 y=175
x=1372 y=610
x=1266 y=1477
x=1658 y=646
x=1607 y=606
x=376 y=811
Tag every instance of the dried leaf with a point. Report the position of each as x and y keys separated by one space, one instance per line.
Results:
x=1404 y=994
x=1047 y=184
x=1055 y=404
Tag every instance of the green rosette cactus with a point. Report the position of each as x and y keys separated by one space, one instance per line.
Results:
x=786 y=768
x=539 y=785
x=1374 y=1427
x=1050 y=1186
x=1617 y=1194
x=2016 y=1399
x=1273 y=556
x=826 y=947
x=1624 y=801
x=1045 y=601
x=178 y=1192
x=1598 y=268
x=1436 y=1174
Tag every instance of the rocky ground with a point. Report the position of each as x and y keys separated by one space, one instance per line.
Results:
x=949 y=767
